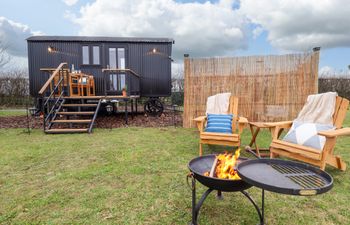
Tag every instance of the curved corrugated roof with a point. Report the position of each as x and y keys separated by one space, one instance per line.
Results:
x=99 y=39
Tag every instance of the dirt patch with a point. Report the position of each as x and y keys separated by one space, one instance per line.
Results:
x=102 y=121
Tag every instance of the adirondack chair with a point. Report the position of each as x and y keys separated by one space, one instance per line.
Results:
x=225 y=139
x=311 y=155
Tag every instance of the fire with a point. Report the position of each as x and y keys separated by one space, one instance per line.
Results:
x=225 y=166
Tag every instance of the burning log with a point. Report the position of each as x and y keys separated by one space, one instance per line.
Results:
x=212 y=171
x=224 y=166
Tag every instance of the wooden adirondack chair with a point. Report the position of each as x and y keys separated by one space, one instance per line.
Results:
x=225 y=139
x=311 y=155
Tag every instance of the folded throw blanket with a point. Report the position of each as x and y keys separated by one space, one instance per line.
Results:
x=218 y=104
x=319 y=108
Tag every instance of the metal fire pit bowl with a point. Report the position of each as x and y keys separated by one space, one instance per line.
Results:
x=198 y=166
x=285 y=177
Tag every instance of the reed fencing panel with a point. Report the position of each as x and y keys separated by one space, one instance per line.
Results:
x=270 y=88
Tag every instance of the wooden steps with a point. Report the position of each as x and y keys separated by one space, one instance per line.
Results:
x=79 y=105
x=67 y=130
x=71 y=121
x=76 y=113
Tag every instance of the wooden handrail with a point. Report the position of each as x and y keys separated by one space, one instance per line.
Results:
x=121 y=70
x=42 y=90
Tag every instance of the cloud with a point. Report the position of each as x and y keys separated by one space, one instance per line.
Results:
x=70 y=2
x=301 y=25
x=200 y=29
x=13 y=35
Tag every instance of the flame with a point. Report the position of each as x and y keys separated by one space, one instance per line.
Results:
x=225 y=168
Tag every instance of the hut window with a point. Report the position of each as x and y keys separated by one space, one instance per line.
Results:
x=96 y=55
x=85 y=52
x=121 y=58
x=113 y=58
x=121 y=65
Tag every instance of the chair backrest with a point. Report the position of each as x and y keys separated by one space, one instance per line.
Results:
x=341 y=106
x=233 y=109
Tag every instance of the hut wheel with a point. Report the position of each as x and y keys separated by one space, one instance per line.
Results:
x=154 y=107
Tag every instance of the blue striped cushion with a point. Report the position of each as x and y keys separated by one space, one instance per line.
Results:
x=219 y=123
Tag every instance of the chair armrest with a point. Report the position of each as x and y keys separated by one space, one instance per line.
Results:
x=242 y=122
x=200 y=122
x=276 y=128
x=200 y=118
x=335 y=133
x=242 y=119
x=282 y=124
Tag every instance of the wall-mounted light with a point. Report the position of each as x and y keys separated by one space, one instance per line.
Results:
x=51 y=49
x=155 y=51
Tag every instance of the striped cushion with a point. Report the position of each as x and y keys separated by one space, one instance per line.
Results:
x=219 y=123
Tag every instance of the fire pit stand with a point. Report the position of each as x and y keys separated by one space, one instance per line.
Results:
x=275 y=175
x=198 y=167
x=196 y=206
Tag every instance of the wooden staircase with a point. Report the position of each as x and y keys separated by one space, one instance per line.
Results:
x=63 y=115
x=73 y=118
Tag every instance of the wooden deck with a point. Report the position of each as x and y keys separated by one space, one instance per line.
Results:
x=104 y=97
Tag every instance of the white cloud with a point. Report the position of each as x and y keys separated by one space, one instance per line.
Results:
x=328 y=71
x=70 y=2
x=200 y=29
x=300 y=24
x=13 y=35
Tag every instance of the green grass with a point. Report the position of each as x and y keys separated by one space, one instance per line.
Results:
x=12 y=112
x=137 y=176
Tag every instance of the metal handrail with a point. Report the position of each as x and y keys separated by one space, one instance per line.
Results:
x=55 y=115
x=54 y=74
x=118 y=71
x=121 y=70
x=54 y=90
x=47 y=108
x=95 y=115
x=54 y=105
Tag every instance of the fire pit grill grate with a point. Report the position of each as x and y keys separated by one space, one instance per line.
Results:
x=285 y=177
x=304 y=178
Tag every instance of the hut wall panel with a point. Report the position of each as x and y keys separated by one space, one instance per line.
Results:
x=155 y=70
x=270 y=88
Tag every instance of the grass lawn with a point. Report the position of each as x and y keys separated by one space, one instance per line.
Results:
x=137 y=176
x=12 y=112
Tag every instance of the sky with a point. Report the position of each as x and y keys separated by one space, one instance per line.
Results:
x=200 y=28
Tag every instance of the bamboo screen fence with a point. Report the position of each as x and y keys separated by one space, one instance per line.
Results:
x=270 y=88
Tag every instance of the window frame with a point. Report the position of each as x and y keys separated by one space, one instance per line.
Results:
x=99 y=55
x=91 y=54
x=82 y=54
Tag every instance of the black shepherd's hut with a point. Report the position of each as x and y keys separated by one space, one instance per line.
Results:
x=149 y=58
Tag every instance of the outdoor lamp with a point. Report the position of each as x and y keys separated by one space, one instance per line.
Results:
x=50 y=49
x=109 y=108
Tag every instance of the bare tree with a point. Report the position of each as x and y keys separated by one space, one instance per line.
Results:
x=5 y=58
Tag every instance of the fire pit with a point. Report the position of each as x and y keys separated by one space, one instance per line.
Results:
x=280 y=176
x=199 y=168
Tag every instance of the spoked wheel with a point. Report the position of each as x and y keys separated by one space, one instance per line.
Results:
x=154 y=107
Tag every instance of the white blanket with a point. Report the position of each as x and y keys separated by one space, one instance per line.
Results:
x=218 y=104
x=318 y=108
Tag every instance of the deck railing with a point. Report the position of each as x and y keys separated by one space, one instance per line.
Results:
x=52 y=93
x=133 y=87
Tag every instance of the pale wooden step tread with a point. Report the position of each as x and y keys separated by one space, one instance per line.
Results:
x=77 y=113
x=54 y=131
x=79 y=105
x=71 y=121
